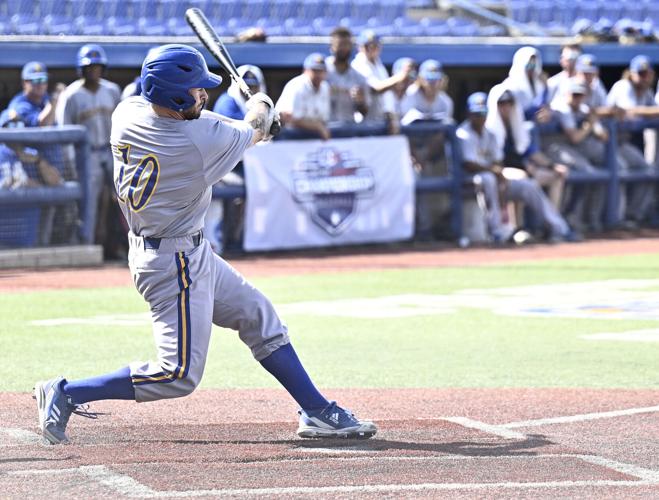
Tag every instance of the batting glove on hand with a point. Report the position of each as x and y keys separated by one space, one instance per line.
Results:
x=260 y=97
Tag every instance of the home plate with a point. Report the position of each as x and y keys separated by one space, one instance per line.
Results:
x=650 y=335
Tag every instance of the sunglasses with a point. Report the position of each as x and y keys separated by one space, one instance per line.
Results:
x=39 y=80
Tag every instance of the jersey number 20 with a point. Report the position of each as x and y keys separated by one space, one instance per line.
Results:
x=143 y=182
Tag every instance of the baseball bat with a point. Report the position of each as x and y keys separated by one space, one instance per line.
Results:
x=205 y=32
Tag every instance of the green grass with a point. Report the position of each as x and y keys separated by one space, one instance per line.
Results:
x=470 y=347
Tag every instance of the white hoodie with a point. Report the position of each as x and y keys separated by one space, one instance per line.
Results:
x=494 y=122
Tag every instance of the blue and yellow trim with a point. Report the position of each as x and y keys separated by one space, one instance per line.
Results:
x=184 y=329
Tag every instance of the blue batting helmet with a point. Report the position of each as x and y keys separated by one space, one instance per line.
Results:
x=169 y=71
x=91 y=54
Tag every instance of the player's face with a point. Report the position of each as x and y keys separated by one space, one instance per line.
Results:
x=36 y=88
x=193 y=112
x=341 y=47
x=93 y=72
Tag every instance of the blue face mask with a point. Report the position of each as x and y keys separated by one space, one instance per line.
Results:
x=530 y=66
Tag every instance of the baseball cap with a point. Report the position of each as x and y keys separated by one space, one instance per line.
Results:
x=368 y=36
x=431 y=70
x=316 y=61
x=639 y=63
x=586 y=63
x=577 y=88
x=400 y=62
x=34 y=70
x=251 y=79
x=477 y=103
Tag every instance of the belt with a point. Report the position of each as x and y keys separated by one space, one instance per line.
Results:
x=169 y=244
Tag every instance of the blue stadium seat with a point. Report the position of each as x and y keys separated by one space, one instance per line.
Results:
x=431 y=26
x=652 y=12
x=282 y=18
x=88 y=17
x=335 y=12
x=634 y=10
x=460 y=26
x=519 y=11
x=611 y=9
x=588 y=9
x=23 y=17
x=145 y=13
x=542 y=12
x=172 y=14
x=225 y=15
x=361 y=11
x=55 y=17
x=119 y=18
x=256 y=13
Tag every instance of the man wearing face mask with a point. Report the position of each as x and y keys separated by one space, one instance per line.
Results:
x=559 y=82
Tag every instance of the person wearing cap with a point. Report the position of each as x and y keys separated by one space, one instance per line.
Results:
x=403 y=65
x=90 y=101
x=631 y=97
x=368 y=63
x=304 y=103
x=349 y=91
x=425 y=99
x=33 y=106
x=483 y=158
x=569 y=54
x=581 y=146
x=505 y=119
x=528 y=82
x=587 y=73
x=232 y=103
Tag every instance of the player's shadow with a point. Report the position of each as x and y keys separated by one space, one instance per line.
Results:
x=518 y=447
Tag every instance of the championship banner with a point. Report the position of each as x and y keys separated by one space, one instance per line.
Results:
x=320 y=193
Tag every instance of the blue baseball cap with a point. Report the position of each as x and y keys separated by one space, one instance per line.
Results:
x=315 y=61
x=400 y=62
x=34 y=70
x=586 y=63
x=368 y=36
x=477 y=103
x=577 y=88
x=431 y=70
x=640 y=63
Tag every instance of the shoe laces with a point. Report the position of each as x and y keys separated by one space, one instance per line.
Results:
x=83 y=411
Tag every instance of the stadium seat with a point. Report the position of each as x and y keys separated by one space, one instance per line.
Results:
x=611 y=9
x=334 y=12
x=652 y=12
x=587 y=9
x=145 y=13
x=172 y=14
x=634 y=10
x=460 y=26
x=282 y=18
x=118 y=18
x=225 y=15
x=23 y=17
x=55 y=19
x=431 y=26
x=542 y=12
x=256 y=13
x=519 y=11
x=88 y=17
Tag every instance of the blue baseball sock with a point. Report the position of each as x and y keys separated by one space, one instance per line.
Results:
x=285 y=366
x=115 y=385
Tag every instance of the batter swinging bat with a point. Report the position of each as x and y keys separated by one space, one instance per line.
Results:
x=203 y=29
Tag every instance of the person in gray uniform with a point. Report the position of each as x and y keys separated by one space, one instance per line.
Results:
x=168 y=152
x=90 y=101
x=349 y=91
x=483 y=158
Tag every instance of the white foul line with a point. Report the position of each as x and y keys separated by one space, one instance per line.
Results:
x=629 y=469
x=580 y=418
x=497 y=430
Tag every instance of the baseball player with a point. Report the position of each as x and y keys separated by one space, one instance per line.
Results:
x=90 y=101
x=168 y=152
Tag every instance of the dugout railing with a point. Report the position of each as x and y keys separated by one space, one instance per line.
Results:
x=71 y=190
x=450 y=184
x=610 y=173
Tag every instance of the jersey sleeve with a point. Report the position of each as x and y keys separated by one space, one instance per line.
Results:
x=468 y=146
x=65 y=111
x=220 y=144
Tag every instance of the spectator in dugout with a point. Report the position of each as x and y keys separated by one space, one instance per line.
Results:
x=581 y=146
x=587 y=73
x=505 y=119
x=90 y=101
x=368 y=63
x=483 y=158
x=304 y=103
x=558 y=83
x=21 y=167
x=233 y=103
x=629 y=98
x=349 y=91
x=527 y=81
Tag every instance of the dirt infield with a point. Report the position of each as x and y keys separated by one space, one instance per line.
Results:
x=337 y=260
x=432 y=443
x=476 y=443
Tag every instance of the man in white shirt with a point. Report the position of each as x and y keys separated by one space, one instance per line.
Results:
x=426 y=99
x=369 y=64
x=556 y=84
x=305 y=101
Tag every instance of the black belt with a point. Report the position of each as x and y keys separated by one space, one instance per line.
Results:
x=153 y=243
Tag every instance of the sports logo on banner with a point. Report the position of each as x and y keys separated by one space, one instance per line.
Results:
x=323 y=193
x=329 y=184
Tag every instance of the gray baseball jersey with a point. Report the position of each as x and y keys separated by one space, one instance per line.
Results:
x=163 y=170
x=342 y=107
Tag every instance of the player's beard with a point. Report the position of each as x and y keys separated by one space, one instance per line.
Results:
x=194 y=112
